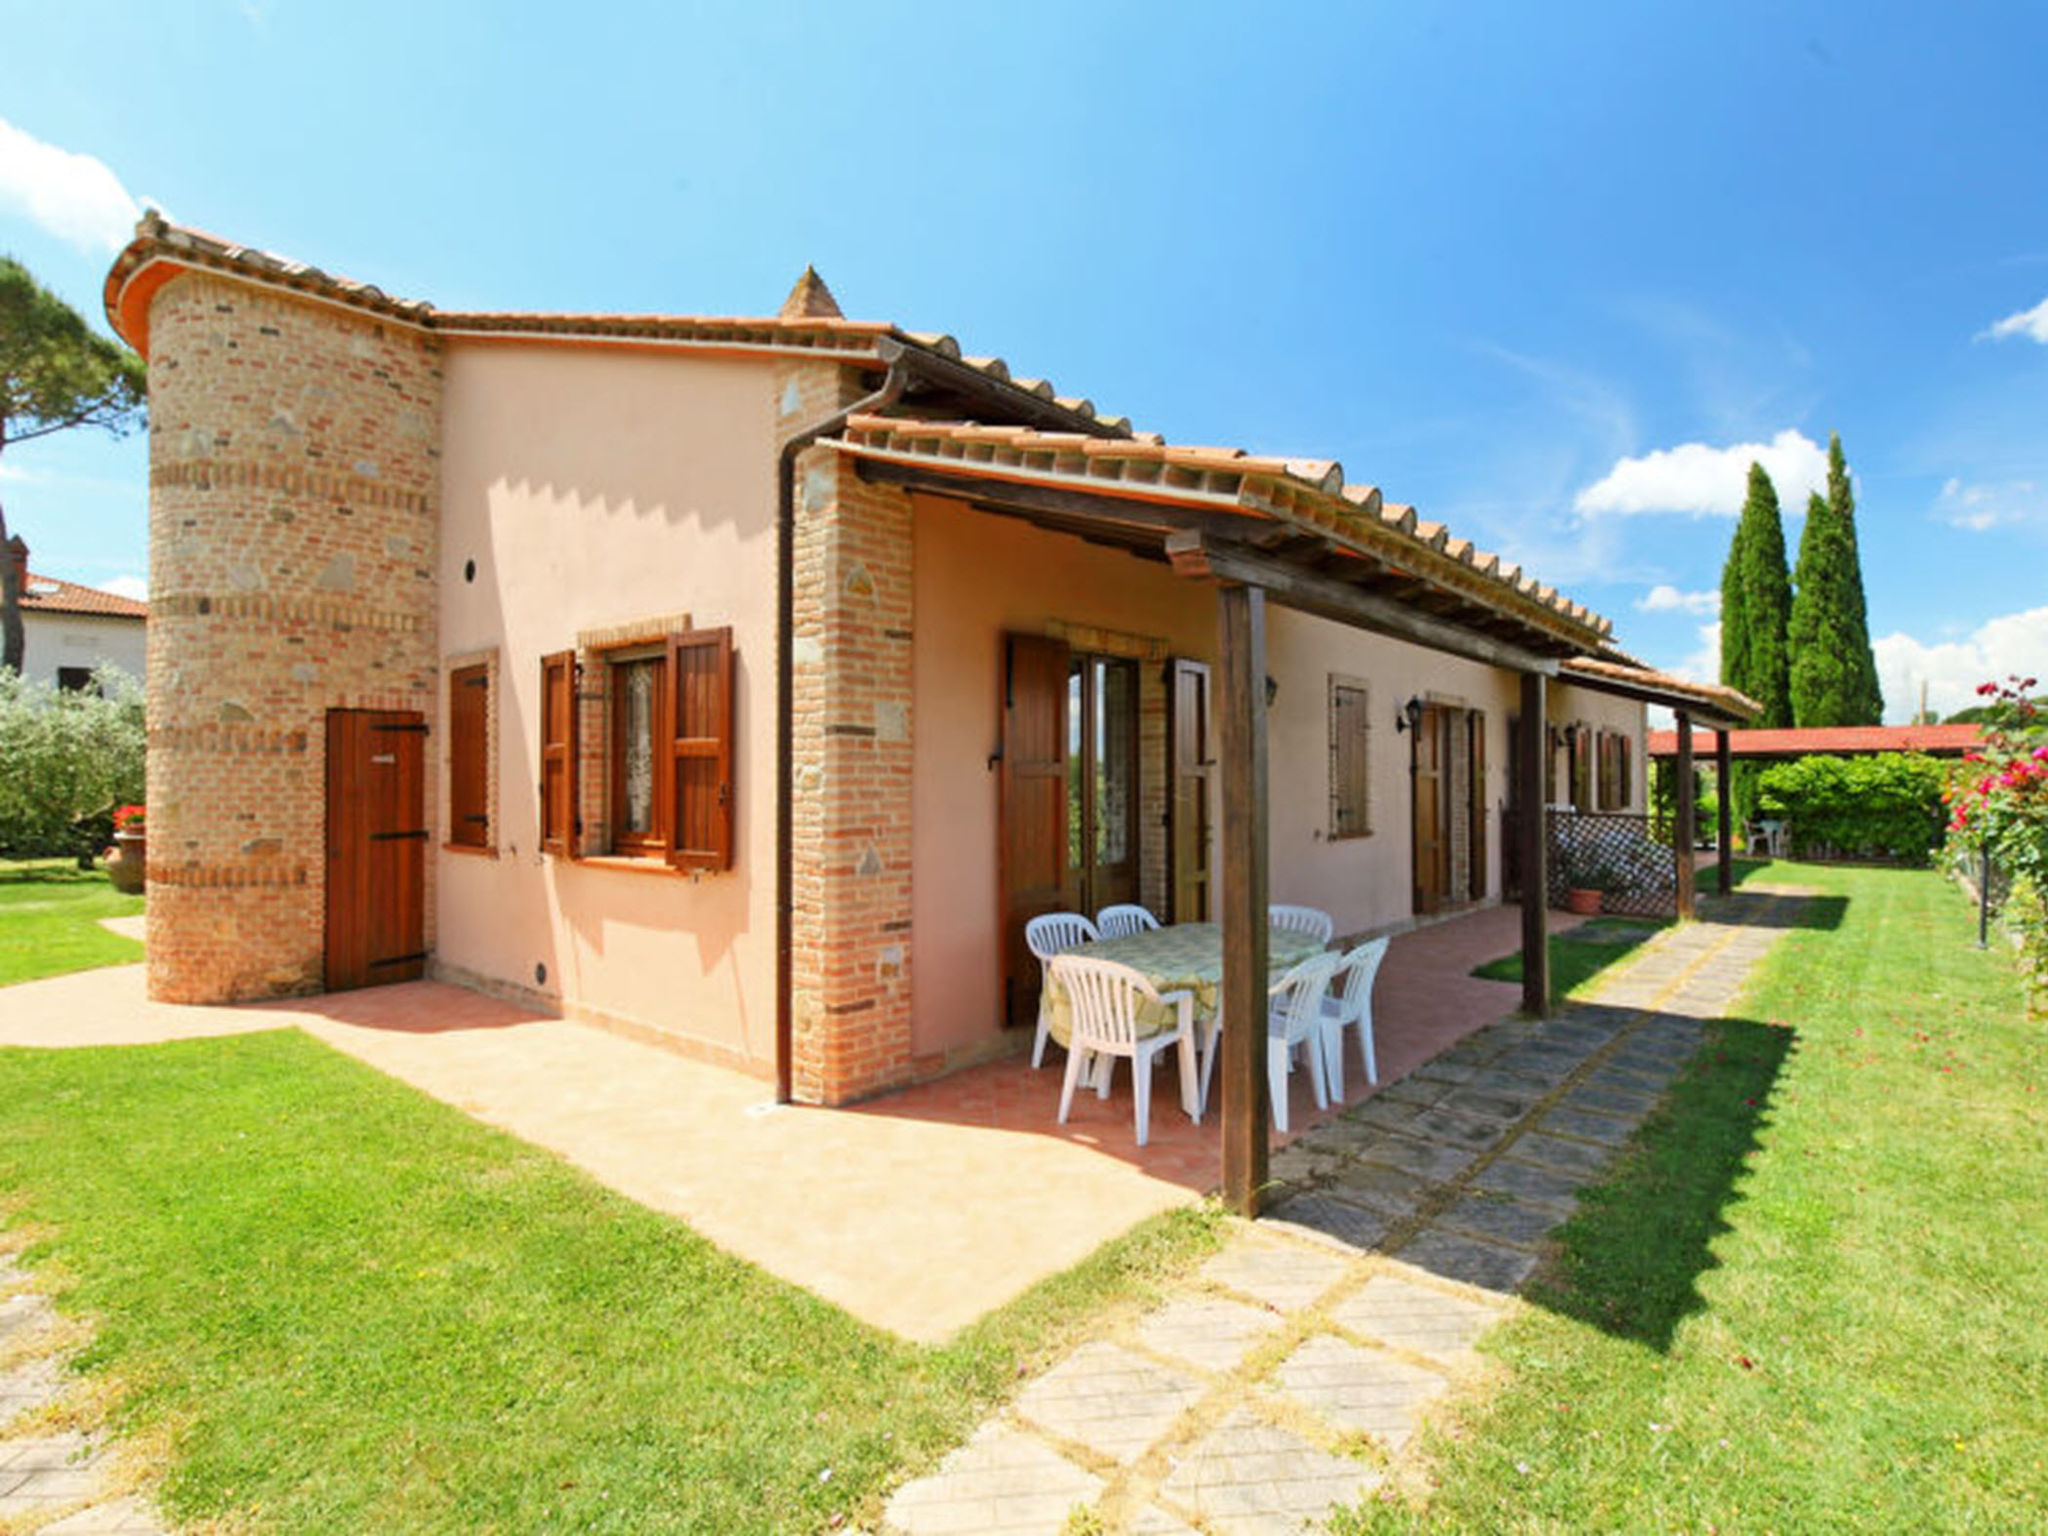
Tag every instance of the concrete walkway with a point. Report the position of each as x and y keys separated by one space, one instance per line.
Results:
x=919 y=1212
x=1290 y=1376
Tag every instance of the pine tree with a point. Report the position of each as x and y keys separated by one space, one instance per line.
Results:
x=1756 y=605
x=1834 y=672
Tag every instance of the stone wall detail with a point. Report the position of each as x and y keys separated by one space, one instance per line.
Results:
x=294 y=484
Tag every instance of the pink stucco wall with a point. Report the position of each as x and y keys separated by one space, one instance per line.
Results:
x=596 y=488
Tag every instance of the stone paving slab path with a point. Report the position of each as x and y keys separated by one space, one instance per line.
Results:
x=1288 y=1376
x=59 y=1481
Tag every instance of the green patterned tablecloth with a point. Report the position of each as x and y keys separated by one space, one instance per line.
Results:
x=1184 y=957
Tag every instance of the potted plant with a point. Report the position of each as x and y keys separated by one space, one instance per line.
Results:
x=1587 y=879
x=127 y=860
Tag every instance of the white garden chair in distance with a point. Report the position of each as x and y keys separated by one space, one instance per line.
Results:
x=1053 y=934
x=1309 y=920
x=1105 y=1000
x=1295 y=1021
x=1123 y=919
x=1351 y=1008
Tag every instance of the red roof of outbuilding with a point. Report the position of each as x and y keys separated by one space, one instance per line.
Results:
x=46 y=594
x=1836 y=740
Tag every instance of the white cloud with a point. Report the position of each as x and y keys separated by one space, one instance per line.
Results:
x=1697 y=478
x=75 y=197
x=1665 y=598
x=2030 y=323
x=1952 y=669
x=1704 y=664
x=1982 y=507
x=136 y=587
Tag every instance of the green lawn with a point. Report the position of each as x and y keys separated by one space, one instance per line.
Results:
x=1578 y=957
x=351 y=1309
x=49 y=920
x=1811 y=1300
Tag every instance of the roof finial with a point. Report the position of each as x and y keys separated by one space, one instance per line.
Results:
x=810 y=299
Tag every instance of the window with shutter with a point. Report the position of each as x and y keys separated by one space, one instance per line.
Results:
x=1350 y=768
x=700 y=666
x=558 y=829
x=469 y=790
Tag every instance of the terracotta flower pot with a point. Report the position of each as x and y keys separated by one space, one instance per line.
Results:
x=1584 y=903
x=127 y=868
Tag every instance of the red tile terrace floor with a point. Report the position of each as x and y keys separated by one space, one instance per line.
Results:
x=918 y=1212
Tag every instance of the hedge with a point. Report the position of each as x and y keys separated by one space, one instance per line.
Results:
x=1886 y=806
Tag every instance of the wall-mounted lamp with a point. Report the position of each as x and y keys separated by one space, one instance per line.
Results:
x=1272 y=689
x=1410 y=718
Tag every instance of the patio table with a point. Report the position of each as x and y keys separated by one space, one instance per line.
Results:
x=1183 y=957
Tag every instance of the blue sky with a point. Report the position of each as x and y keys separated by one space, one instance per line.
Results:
x=1551 y=273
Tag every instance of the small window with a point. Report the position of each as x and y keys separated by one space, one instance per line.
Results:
x=638 y=700
x=1350 y=776
x=469 y=788
x=77 y=680
x=665 y=756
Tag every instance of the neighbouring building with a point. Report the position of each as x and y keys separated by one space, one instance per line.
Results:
x=747 y=683
x=70 y=631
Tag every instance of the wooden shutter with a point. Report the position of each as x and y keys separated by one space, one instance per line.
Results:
x=1475 y=722
x=1350 y=776
x=700 y=750
x=558 y=754
x=1187 y=803
x=1624 y=773
x=469 y=821
x=1037 y=876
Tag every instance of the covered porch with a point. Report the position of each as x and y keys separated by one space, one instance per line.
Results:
x=1237 y=533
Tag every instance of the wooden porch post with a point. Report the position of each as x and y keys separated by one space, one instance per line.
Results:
x=1724 y=832
x=1533 y=834
x=1241 y=615
x=1683 y=838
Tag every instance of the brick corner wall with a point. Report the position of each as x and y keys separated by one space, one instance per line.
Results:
x=294 y=480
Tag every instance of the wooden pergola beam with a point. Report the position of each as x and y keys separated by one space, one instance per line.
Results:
x=1533 y=836
x=1241 y=675
x=1683 y=836
x=1195 y=554
x=1724 y=831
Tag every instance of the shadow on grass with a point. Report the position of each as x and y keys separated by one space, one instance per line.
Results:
x=1579 y=954
x=48 y=872
x=1630 y=1260
x=1764 y=909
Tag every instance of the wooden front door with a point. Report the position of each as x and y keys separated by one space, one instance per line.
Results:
x=376 y=847
x=1069 y=795
x=1192 y=765
x=1034 y=807
x=1432 y=872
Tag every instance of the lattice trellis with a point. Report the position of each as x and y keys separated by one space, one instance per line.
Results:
x=1617 y=855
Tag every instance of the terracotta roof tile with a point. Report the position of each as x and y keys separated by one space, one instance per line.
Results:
x=46 y=594
x=1311 y=492
x=810 y=319
x=1943 y=740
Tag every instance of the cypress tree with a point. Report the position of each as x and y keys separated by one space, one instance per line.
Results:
x=1756 y=606
x=1834 y=672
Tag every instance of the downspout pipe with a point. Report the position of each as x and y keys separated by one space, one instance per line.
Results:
x=894 y=386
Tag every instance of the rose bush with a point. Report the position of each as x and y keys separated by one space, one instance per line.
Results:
x=1998 y=802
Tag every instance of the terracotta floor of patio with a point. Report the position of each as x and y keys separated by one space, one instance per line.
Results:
x=919 y=1211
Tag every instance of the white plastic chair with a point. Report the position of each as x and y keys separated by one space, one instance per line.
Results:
x=1307 y=920
x=1295 y=1021
x=1126 y=918
x=1106 y=998
x=1352 y=1008
x=1053 y=934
